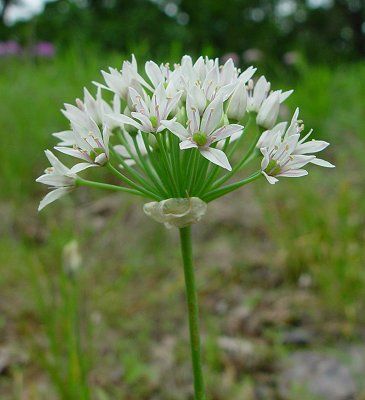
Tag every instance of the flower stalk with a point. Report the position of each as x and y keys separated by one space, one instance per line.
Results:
x=193 y=312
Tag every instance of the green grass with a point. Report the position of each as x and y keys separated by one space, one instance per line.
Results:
x=130 y=288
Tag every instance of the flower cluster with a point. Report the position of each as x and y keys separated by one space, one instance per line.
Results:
x=179 y=131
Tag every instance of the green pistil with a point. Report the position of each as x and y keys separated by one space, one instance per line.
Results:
x=154 y=121
x=96 y=152
x=273 y=168
x=200 y=138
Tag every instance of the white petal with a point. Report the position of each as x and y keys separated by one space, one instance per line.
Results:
x=225 y=91
x=123 y=119
x=260 y=92
x=172 y=103
x=269 y=111
x=193 y=115
x=56 y=163
x=226 y=131
x=247 y=74
x=52 y=196
x=313 y=146
x=298 y=161
x=146 y=124
x=106 y=136
x=81 y=167
x=198 y=98
x=285 y=95
x=212 y=116
x=237 y=104
x=322 y=163
x=55 y=180
x=271 y=179
x=66 y=137
x=216 y=156
x=295 y=173
x=154 y=73
x=176 y=128
x=72 y=152
x=187 y=144
x=265 y=161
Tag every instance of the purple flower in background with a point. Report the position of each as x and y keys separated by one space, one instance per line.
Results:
x=10 y=48
x=44 y=49
x=253 y=55
x=234 y=56
x=291 y=58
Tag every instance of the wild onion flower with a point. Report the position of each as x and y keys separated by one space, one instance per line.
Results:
x=180 y=136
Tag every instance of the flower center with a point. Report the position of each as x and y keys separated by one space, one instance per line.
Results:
x=98 y=156
x=200 y=138
x=273 y=168
x=154 y=121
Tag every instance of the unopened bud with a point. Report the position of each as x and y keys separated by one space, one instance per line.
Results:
x=237 y=103
x=71 y=257
x=269 y=111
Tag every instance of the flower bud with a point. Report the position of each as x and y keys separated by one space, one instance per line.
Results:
x=238 y=102
x=269 y=111
x=71 y=257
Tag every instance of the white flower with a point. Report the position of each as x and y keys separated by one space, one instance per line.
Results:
x=237 y=103
x=285 y=154
x=95 y=109
x=59 y=178
x=202 y=132
x=170 y=79
x=119 y=82
x=205 y=80
x=258 y=93
x=87 y=143
x=148 y=112
x=303 y=147
x=279 y=161
x=88 y=138
x=269 y=110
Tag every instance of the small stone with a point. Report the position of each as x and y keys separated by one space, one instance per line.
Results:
x=264 y=392
x=245 y=355
x=315 y=374
x=305 y=281
x=10 y=357
x=5 y=360
x=297 y=337
x=238 y=320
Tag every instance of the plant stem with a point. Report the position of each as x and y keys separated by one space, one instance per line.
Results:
x=216 y=193
x=193 y=310
x=99 y=185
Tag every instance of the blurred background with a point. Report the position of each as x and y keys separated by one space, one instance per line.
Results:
x=91 y=291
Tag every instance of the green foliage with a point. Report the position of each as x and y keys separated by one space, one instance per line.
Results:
x=332 y=30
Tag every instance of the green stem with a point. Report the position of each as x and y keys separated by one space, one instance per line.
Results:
x=134 y=173
x=245 y=158
x=193 y=309
x=98 y=185
x=149 y=171
x=214 y=194
x=125 y=179
x=167 y=164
